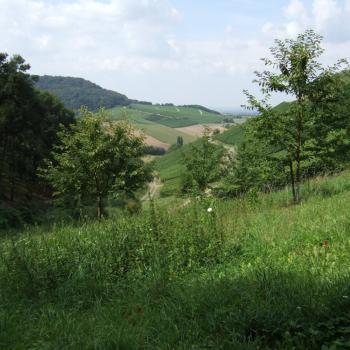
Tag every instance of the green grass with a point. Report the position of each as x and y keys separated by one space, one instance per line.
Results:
x=233 y=136
x=170 y=168
x=158 y=131
x=177 y=117
x=256 y=273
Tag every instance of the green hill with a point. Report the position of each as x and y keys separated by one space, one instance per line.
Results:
x=170 y=168
x=252 y=274
x=77 y=92
x=177 y=116
x=233 y=136
x=160 y=132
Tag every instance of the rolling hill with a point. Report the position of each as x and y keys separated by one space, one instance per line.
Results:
x=177 y=116
x=77 y=92
x=158 y=121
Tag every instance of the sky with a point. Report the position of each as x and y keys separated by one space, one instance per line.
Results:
x=180 y=51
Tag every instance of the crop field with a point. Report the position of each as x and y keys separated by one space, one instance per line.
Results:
x=177 y=117
x=160 y=132
x=199 y=129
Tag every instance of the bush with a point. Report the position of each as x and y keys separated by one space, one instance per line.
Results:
x=154 y=151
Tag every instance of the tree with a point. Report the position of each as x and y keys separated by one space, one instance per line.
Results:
x=202 y=163
x=297 y=72
x=179 y=141
x=95 y=159
x=28 y=125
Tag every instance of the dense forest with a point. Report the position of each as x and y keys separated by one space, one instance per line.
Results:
x=78 y=92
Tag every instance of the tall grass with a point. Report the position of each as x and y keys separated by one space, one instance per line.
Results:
x=256 y=272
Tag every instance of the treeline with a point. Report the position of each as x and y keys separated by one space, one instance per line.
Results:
x=78 y=92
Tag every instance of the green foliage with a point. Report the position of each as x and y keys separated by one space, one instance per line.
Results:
x=256 y=167
x=291 y=127
x=77 y=92
x=253 y=273
x=96 y=159
x=233 y=136
x=154 y=151
x=202 y=164
x=179 y=141
x=29 y=121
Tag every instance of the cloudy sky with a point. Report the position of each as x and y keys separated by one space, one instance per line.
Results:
x=180 y=51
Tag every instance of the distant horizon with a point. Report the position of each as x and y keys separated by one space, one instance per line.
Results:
x=222 y=109
x=185 y=52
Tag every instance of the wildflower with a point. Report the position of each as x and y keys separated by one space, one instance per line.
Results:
x=298 y=307
x=209 y=210
x=345 y=296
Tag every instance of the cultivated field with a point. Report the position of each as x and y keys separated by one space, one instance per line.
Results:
x=157 y=131
x=177 y=117
x=199 y=129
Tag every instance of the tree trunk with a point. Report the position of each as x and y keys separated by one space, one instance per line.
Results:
x=299 y=130
x=292 y=179
x=297 y=172
x=99 y=207
x=12 y=189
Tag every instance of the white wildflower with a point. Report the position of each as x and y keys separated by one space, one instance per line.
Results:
x=209 y=210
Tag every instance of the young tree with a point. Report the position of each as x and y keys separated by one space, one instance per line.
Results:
x=97 y=158
x=296 y=71
x=202 y=163
x=179 y=141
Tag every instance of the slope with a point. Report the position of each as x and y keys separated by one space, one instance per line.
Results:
x=77 y=92
x=249 y=275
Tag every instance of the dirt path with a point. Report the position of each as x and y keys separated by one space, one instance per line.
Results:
x=153 y=188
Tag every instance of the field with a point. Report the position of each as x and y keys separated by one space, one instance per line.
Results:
x=170 y=168
x=255 y=273
x=175 y=116
x=160 y=132
x=199 y=129
x=233 y=136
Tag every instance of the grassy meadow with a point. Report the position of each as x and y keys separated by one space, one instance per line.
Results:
x=255 y=273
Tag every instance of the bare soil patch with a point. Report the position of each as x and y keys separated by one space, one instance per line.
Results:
x=198 y=130
x=151 y=141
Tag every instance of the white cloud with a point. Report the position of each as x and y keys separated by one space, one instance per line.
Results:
x=328 y=17
x=133 y=46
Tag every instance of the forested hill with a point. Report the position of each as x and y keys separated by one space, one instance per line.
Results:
x=77 y=92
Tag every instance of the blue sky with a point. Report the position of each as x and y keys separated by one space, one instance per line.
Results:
x=180 y=51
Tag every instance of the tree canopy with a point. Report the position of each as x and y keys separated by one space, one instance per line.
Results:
x=96 y=159
x=29 y=120
x=295 y=70
x=78 y=92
